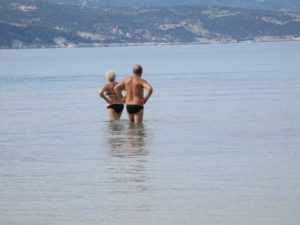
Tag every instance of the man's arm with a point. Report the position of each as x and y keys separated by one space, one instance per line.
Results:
x=119 y=88
x=102 y=95
x=149 y=89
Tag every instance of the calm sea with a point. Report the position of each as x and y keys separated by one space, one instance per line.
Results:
x=219 y=145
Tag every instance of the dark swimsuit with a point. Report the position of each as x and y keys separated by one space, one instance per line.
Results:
x=118 y=108
x=131 y=109
x=108 y=93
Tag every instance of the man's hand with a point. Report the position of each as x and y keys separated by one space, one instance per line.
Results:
x=143 y=101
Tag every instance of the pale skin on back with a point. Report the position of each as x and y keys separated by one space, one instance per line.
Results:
x=111 y=99
x=134 y=87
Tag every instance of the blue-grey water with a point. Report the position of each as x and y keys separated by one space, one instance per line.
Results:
x=219 y=145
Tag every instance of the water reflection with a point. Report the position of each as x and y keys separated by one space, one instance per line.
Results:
x=128 y=148
x=127 y=139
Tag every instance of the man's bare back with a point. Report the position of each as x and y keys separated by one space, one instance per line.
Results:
x=134 y=87
x=134 y=90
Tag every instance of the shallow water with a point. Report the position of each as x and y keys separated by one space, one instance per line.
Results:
x=219 y=143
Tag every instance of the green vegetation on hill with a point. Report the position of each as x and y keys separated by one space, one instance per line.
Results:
x=36 y=23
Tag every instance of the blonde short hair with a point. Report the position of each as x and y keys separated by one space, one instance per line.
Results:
x=110 y=75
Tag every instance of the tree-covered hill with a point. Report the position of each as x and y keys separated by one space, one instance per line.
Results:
x=36 y=23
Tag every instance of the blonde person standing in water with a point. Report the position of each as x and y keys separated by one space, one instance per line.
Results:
x=114 y=103
x=134 y=87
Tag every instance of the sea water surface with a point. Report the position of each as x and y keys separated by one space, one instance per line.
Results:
x=219 y=145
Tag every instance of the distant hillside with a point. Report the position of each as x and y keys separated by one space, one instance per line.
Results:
x=37 y=24
x=276 y=5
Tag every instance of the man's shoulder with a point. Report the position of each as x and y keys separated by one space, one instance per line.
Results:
x=143 y=80
x=127 y=79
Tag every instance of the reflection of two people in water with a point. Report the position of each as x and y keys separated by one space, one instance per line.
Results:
x=128 y=150
x=126 y=139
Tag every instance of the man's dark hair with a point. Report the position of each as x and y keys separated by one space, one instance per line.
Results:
x=137 y=69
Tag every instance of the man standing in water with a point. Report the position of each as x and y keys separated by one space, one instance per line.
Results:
x=135 y=100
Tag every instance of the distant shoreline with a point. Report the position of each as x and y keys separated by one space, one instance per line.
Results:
x=98 y=45
x=40 y=24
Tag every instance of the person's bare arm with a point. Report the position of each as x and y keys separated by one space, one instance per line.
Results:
x=119 y=88
x=102 y=95
x=149 y=89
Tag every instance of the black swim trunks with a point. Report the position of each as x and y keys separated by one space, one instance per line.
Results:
x=131 y=109
x=117 y=107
